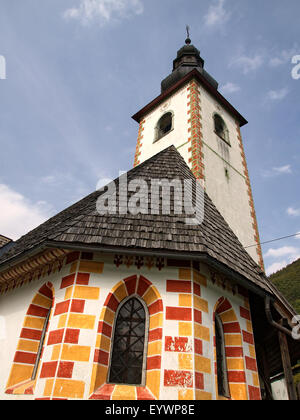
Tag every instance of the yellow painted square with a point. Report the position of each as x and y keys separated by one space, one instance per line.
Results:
x=156 y=321
x=82 y=321
x=235 y=364
x=203 y=396
x=62 y=321
x=201 y=332
x=185 y=329
x=120 y=291
x=200 y=279
x=68 y=293
x=252 y=351
x=75 y=353
x=28 y=345
x=56 y=352
x=228 y=316
x=124 y=392
x=255 y=379
x=150 y=296
x=201 y=304
x=202 y=364
x=91 y=267
x=154 y=348
x=153 y=382
x=86 y=292
x=68 y=388
x=185 y=300
x=42 y=301
x=185 y=394
x=99 y=376
x=48 y=388
x=107 y=316
x=249 y=327
x=185 y=274
x=104 y=343
x=32 y=322
x=238 y=391
x=185 y=361
x=233 y=340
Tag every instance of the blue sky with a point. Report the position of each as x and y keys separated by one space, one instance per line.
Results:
x=77 y=70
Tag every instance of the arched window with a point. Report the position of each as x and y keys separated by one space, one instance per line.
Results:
x=128 y=353
x=164 y=126
x=223 y=386
x=221 y=128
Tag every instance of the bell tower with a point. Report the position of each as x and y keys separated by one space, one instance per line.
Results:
x=191 y=114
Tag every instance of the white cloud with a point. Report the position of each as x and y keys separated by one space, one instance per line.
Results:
x=229 y=88
x=283 y=57
x=273 y=268
x=277 y=95
x=276 y=171
x=290 y=253
x=19 y=215
x=283 y=251
x=247 y=64
x=216 y=15
x=286 y=169
x=104 y=11
x=293 y=212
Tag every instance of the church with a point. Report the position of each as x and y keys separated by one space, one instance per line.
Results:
x=122 y=298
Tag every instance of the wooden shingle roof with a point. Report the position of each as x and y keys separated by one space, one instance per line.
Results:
x=4 y=240
x=82 y=225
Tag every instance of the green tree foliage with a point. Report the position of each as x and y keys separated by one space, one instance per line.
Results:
x=287 y=281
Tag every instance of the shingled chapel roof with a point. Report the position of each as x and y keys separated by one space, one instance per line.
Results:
x=82 y=226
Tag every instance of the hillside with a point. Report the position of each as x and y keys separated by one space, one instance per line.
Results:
x=287 y=281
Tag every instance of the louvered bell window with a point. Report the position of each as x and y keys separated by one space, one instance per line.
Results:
x=128 y=352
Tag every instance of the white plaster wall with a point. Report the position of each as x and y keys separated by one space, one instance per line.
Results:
x=229 y=195
x=177 y=103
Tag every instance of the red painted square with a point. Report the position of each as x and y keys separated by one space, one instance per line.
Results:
x=65 y=370
x=198 y=347
x=197 y=316
x=156 y=307
x=245 y=313
x=48 y=370
x=105 y=329
x=77 y=306
x=197 y=289
x=31 y=334
x=37 y=311
x=177 y=344
x=73 y=256
x=248 y=337
x=153 y=362
x=62 y=307
x=236 y=376
x=234 y=351
x=111 y=302
x=254 y=393
x=178 y=314
x=101 y=357
x=25 y=357
x=72 y=336
x=130 y=283
x=83 y=279
x=179 y=286
x=199 y=380
x=155 y=334
x=251 y=363
x=67 y=281
x=231 y=327
x=143 y=285
x=55 y=337
x=178 y=378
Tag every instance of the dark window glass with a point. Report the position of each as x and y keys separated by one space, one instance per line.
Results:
x=164 y=125
x=128 y=347
x=39 y=353
x=223 y=388
x=220 y=128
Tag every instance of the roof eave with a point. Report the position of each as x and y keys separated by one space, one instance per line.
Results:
x=193 y=74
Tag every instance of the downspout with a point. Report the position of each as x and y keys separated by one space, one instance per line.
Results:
x=271 y=320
